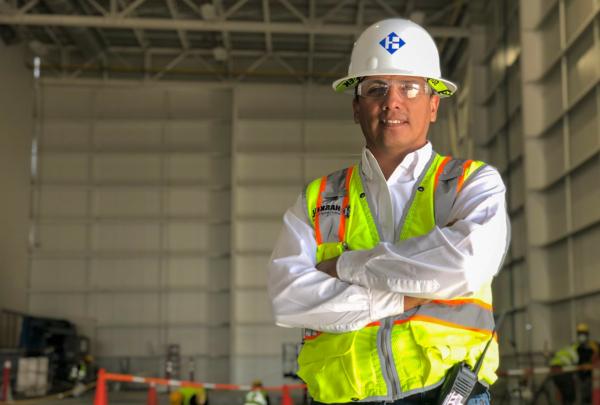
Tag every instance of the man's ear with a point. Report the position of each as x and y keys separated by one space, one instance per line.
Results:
x=355 y=109
x=434 y=104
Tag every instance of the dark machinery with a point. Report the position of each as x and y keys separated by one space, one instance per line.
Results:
x=25 y=335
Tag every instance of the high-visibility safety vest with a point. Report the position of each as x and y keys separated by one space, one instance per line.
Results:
x=408 y=353
x=567 y=356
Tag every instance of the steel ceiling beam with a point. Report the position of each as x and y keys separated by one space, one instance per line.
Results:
x=201 y=25
x=247 y=53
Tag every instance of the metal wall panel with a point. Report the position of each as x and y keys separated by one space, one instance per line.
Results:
x=127 y=273
x=57 y=275
x=255 y=271
x=256 y=168
x=131 y=209
x=257 y=340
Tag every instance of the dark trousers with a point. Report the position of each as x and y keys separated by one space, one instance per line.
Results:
x=565 y=383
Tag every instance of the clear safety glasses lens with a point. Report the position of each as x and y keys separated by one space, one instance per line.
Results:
x=377 y=88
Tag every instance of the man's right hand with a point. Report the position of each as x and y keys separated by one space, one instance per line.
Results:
x=411 y=302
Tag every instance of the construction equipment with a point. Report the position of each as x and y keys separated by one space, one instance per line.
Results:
x=45 y=348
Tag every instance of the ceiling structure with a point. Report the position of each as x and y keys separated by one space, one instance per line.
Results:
x=230 y=40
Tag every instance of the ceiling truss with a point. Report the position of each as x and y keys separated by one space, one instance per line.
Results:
x=217 y=39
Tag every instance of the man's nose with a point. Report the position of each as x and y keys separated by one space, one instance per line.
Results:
x=394 y=98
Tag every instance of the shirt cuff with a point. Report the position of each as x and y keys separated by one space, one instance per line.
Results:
x=384 y=304
x=350 y=266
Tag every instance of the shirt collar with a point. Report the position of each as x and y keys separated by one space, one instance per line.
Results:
x=409 y=169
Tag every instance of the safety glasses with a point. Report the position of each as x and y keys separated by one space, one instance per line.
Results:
x=378 y=88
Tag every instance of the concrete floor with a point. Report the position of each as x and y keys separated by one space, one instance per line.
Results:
x=141 y=397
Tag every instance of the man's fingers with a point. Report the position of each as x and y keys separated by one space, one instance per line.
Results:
x=328 y=266
x=411 y=302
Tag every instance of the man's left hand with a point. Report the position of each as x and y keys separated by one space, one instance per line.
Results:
x=329 y=267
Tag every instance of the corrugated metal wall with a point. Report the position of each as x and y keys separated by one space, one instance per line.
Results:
x=132 y=221
x=156 y=209
x=561 y=106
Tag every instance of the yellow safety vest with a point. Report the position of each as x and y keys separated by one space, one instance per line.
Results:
x=409 y=353
x=189 y=392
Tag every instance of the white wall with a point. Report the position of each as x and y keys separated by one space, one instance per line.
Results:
x=16 y=100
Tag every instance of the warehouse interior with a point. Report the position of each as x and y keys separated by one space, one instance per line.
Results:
x=149 y=149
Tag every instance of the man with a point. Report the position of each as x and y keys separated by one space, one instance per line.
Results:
x=188 y=396
x=584 y=352
x=389 y=263
x=257 y=395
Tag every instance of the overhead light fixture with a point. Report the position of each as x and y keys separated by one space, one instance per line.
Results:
x=208 y=11
x=220 y=54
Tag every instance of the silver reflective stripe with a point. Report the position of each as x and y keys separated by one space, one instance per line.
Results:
x=331 y=206
x=445 y=193
x=386 y=361
x=466 y=315
x=471 y=316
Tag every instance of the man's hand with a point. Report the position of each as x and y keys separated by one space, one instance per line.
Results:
x=329 y=267
x=411 y=302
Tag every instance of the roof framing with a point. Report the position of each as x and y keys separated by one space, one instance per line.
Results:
x=115 y=21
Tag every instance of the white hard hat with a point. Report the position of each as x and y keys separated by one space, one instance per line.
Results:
x=396 y=47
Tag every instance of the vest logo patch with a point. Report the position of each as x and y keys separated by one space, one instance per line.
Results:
x=330 y=209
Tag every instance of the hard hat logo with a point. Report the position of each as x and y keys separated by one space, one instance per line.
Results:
x=392 y=43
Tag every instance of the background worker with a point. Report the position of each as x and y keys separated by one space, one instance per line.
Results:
x=388 y=264
x=583 y=352
x=188 y=396
x=82 y=373
x=257 y=395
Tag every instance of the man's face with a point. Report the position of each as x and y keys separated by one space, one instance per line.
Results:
x=395 y=123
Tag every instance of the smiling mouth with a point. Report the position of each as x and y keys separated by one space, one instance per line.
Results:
x=393 y=122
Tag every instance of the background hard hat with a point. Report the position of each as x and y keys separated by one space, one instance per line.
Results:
x=583 y=328
x=395 y=47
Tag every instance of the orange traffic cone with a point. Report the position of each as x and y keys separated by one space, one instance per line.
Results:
x=286 y=398
x=6 y=395
x=101 y=397
x=152 y=397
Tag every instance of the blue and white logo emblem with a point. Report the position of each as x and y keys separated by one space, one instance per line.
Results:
x=392 y=43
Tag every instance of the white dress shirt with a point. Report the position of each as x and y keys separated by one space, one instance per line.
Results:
x=447 y=262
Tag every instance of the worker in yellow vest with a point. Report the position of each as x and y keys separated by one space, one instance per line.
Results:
x=388 y=264
x=257 y=395
x=583 y=352
x=188 y=396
